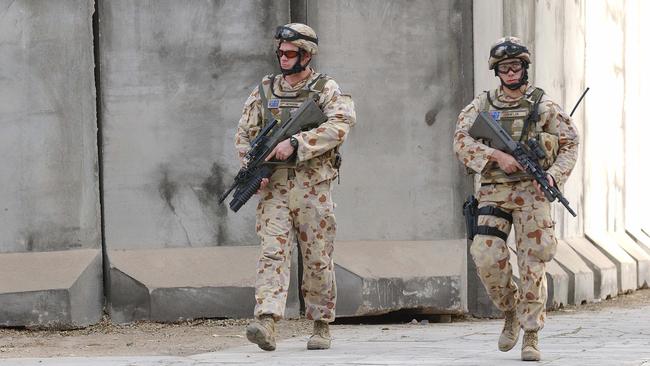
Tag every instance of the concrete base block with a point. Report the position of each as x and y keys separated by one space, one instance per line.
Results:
x=187 y=283
x=625 y=265
x=557 y=282
x=557 y=279
x=605 y=271
x=478 y=302
x=638 y=253
x=641 y=238
x=377 y=277
x=581 y=278
x=51 y=289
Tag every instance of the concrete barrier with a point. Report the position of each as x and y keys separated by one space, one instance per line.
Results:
x=581 y=277
x=605 y=271
x=377 y=277
x=638 y=253
x=641 y=238
x=61 y=289
x=625 y=265
x=557 y=281
x=50 y=231
x=181 y=283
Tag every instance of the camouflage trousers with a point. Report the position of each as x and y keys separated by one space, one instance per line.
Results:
x=535 y=245
x=286 y=212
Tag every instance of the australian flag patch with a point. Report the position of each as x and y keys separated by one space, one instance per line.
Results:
x=496 y=115
x=274 y=103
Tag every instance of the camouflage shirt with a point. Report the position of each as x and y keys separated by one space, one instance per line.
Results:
x=553 y=121
x=315 y=147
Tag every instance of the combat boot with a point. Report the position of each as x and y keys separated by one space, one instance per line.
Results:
x=262 y=332
x=321 y=338
x=510 y=332
x=529 y=347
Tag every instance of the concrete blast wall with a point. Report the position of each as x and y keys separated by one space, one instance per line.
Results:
x=554 y=33
x=408 y=66
x=48 y=177
x=49 y=171
x=174 y=78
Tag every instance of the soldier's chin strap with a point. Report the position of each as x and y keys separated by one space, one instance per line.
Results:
x=297 y=67
x=522 y=81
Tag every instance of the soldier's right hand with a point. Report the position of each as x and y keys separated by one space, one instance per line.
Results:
x=506 y=162
x=263 y=184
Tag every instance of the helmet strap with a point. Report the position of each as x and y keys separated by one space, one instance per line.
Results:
x=297 y=67
x=522 y=81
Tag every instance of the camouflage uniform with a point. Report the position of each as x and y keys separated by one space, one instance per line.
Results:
x=297 y=202
x=516 y=194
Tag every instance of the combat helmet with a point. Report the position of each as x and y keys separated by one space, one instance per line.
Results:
x=510 y=48
x=298 y=34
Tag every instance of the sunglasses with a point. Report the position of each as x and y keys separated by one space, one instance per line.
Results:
x=507 y=48
x=288 y=34
x=288 y=54
x=511 y=66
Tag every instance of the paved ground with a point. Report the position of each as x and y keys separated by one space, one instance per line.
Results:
x=609 y=336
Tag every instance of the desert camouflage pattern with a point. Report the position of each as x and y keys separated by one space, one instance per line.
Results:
x=315 y=147
x=535 y=244
x=555 y=131
x=287 y=211
x=533 y=226
x=525 y=56
x=297 y=204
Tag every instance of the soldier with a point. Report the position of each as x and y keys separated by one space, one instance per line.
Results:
x=295 y=202
x=508 y=195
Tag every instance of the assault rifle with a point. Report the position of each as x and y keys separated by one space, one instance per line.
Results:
x=248 y=179
x=527 y=155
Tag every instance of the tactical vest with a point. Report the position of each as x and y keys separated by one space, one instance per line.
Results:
x=520 y=121
x=279 y=104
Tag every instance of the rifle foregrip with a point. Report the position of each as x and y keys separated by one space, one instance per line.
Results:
x=243 y=194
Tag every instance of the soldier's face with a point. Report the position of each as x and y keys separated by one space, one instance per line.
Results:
x=289 y=55
x=285 y=61
x=510 y=71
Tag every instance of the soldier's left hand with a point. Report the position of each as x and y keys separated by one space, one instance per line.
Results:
x=282 y=151
x=551 y=182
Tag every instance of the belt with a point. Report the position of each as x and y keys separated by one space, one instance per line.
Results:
x=513 y=182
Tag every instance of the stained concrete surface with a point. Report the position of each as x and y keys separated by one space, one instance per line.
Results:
x=48 y=127
x=182 y=283
x=380 y=277
x=409 y=71
x=174 y=78
x=61 y=289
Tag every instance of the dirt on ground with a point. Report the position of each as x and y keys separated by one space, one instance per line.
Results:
x=198 y=336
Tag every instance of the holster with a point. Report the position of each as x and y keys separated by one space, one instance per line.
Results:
x=470 y=211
